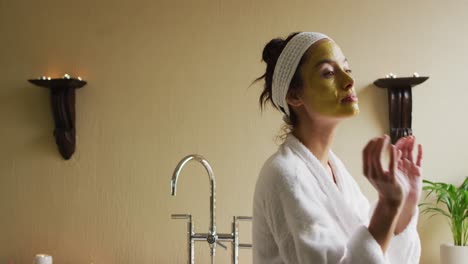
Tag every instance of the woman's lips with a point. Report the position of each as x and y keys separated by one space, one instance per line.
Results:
x=349 y=99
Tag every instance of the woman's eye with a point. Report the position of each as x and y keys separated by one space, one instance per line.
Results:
x=328 y=74
x=348 y=71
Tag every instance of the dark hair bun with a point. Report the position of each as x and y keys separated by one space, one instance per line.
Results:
x=270 y=55
x=272 y=50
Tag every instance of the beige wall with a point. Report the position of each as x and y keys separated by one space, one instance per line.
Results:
x=170 y=78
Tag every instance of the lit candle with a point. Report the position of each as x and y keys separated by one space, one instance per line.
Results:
x=48 y=78
x=66 y=76
x=43 y=259
x=79 y=78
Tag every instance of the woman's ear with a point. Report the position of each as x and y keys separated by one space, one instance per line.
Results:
x=294 y=98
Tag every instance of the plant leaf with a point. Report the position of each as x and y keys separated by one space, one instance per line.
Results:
x=435 y=210
x=464 y=185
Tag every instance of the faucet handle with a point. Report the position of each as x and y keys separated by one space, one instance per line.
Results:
x=221 y=245
x=243 y=218
x=181 y=216
x=247 y=246
x=235 y=227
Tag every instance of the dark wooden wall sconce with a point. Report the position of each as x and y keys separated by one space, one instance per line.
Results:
x=400 y=102
x=62 y=92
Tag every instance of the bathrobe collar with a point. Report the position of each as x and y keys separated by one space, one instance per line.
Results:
x=339 y=195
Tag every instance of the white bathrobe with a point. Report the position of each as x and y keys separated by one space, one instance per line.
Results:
x=301 y=216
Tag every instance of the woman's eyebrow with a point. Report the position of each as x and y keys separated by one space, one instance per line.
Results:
x=323 y=61
x=328 y=61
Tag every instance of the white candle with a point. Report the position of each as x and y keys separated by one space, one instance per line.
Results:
x=43 y=259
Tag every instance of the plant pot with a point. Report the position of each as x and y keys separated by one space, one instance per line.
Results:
x=450 y=254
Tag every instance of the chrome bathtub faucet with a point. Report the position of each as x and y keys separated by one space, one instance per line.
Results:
x=212 y=237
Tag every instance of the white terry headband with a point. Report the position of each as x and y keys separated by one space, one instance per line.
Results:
x=287 y=64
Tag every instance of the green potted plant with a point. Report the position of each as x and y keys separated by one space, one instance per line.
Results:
x=451 y=202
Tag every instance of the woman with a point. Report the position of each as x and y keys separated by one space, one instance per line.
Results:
x=307 y=208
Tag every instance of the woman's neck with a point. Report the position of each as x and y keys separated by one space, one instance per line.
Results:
x=318 y=138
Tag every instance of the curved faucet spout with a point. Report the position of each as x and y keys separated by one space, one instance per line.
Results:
x=207 y=166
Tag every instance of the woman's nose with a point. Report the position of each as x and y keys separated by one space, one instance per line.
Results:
x=348 y=81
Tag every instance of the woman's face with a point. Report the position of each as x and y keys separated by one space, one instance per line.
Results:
x=328 y=86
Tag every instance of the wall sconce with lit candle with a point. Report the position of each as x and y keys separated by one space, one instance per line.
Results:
x=62 y=92
x=400 y=102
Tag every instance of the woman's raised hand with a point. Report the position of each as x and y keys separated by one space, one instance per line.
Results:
x=398 y=186
x=410 y=168
x=389 y=183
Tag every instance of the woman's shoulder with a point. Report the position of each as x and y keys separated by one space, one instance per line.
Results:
x=281 y=168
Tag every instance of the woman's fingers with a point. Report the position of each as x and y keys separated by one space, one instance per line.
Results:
x=367 y=157
x=411 y=142
x=400 y=157
x=407 y=147
x=400 y=144
x=420 y=155
x=386 y=142
x=393 y=163
x=382 y=143
x=402 y=147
